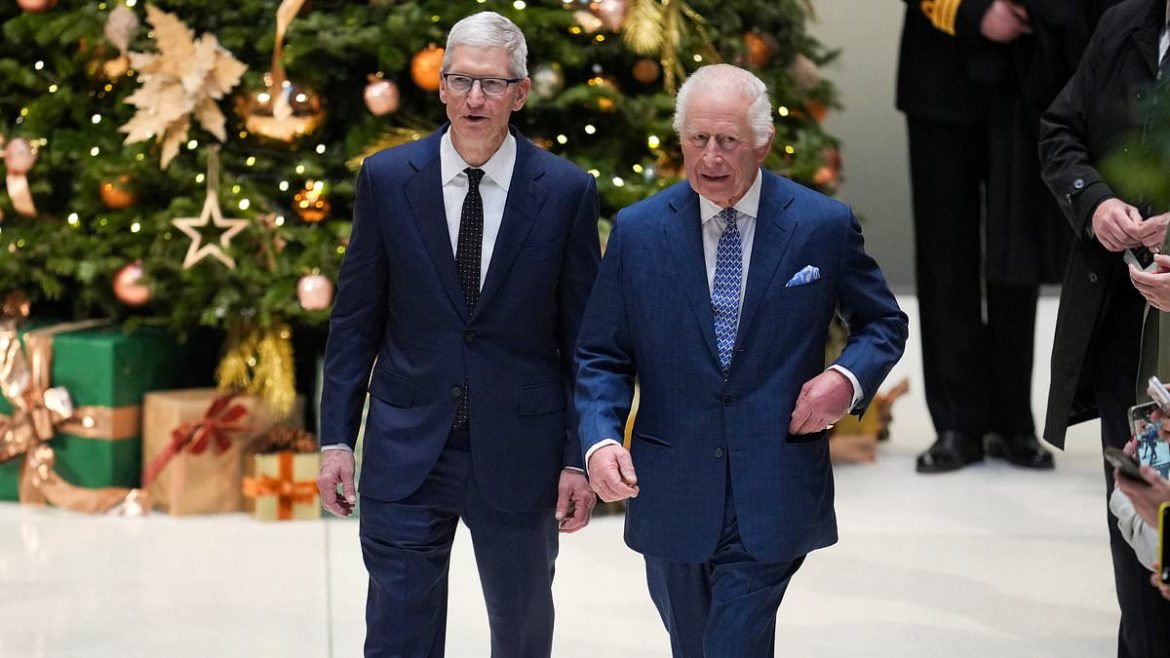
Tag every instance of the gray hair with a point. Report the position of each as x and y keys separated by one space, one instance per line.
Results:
x=487 y=29
x=728 y=80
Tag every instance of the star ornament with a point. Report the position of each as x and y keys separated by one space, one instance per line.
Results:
x=211 y=213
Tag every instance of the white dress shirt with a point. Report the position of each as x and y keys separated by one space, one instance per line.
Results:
x=748 y=209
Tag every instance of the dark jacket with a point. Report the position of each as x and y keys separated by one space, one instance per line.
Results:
x=1087 y=121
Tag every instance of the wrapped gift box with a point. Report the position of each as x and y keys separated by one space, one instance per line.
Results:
x=207 y=481
x=282 y=486
x=106 y=372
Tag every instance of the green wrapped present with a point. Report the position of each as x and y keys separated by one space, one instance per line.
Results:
x=102 y=374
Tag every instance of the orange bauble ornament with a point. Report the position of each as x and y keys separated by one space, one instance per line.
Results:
x=310 y=203
x=817 y=110
x=426 y=67
x=118 y=194
x=128 y=287
x=646 y=71
x=759 y=49
x=36 y=6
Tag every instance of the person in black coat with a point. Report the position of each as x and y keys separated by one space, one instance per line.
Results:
x=973 y=77
x=1098 y=330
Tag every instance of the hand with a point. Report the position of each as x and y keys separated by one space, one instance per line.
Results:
x=575 y=501
x=337 y=468
x=611 y=474
x=1154 y=286
x=1146 y=500
x=1005 y=21
x=1152 y=232
x=823 y=400
x=1117 y=225
x=1156 y=581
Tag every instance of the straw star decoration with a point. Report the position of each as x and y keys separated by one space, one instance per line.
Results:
x=212 y=214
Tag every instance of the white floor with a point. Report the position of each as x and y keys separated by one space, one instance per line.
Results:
x=990 y=561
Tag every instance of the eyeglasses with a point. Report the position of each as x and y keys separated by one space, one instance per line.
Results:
x=461 y=84
x=725 y=143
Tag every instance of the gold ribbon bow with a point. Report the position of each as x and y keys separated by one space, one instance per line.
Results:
x=38 y=412
x=287 y=491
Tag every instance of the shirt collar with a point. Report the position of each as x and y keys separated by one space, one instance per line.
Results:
x=749 y=205
x=498 y=168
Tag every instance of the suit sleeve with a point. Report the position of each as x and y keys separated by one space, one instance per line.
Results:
x=582 y=255
x=605 y=361
x=358 y=322
x=958 y=18
x=1065 y=162
x=877 y=326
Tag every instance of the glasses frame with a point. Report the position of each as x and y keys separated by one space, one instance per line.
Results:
x=474 y=79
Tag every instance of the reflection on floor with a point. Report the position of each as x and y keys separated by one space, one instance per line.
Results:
x=990 y=561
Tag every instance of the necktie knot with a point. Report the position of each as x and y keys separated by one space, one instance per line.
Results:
x=727 y=218
x=474 y=176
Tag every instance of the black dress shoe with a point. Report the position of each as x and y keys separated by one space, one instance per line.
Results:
x=1020 y=449
x=952 y=451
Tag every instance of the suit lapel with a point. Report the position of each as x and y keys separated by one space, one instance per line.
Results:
x=774 y=230
x=424 y=190
x=685 y=238
x=525 y=198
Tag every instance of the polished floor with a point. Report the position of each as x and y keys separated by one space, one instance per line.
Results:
x=990 y=561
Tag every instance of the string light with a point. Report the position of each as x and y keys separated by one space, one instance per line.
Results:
x=193 y=144
x=235 y=189
x=618 y=182
x=638 y=168
x=698 y=58
x=74 y=220
x=653 y=141
x=53 y=88
x=97 y=118
x=562 y=140
x=245 y=204
x=789 y=150
x=283 y=187
x=594 y=173
x=300 y=169
x=199 y=178
x=782 y=111
x=519 y=4
x=94 y=151
x=279 y=220
x=320 y=148
x=135 y=227
x=251 y=161
x=589 y=129
x=39 y=65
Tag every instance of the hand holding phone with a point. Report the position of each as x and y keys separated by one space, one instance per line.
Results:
x=1163 y=548
x=1125 y=465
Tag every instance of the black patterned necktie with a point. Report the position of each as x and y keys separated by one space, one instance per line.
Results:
x=468 y=254
x=470 y=245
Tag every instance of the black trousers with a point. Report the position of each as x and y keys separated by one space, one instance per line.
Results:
x=1145 y=615
x=977 y=335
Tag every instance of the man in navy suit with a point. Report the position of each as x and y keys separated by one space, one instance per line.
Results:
x=716 y=294
x=471 y=259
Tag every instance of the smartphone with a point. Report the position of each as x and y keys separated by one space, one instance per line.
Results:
x=1163 y=546
x=1141 y=425
x=1140 y=258
x=1125 y=464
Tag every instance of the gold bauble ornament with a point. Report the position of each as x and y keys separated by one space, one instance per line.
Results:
x=381 y=96
x=759 y=49
x=118 y=194
x=310 y=203
x=315 y=292
x=36 y=6
x=281 y=112
x=426 y=67
x=646 y=71
x=128 y=287
x=589 y=23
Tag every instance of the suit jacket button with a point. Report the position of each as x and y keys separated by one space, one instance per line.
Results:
x=469 y=336
x=456 y=392
x=718 y=453
x=1079 y=184
x=1092 y=277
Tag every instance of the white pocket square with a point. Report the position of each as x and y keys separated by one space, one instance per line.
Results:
x=809 y=274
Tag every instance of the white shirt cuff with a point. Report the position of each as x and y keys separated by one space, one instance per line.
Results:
x=857 y=392
x=336 y=446
x=596 y=446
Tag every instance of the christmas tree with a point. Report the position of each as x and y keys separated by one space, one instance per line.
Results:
x=192 y=163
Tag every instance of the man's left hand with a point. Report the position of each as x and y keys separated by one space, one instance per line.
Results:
x=823 y=400
x=575 y=501
x=1146 y=499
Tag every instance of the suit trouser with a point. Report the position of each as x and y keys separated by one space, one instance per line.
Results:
x=724 y=607
x=1145 y=616
x=407 y=548
x=977 y=368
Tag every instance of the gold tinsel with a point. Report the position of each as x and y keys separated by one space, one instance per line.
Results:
x=656 y=27
x=390 y=138
x=645 y=28
x=259 y=361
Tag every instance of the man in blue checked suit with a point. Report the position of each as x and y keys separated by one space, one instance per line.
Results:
x=716 y=294
x=472 y=256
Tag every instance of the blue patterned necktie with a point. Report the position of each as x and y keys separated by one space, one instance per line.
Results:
x=725 y=289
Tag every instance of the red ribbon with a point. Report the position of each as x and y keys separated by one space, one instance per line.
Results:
x=213 y=430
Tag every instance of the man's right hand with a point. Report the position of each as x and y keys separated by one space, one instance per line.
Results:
x=1005 y=21
x=1117 y=225
x=611 y=474
x=337 y=467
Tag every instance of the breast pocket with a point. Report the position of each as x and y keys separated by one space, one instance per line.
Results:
x=536 y=253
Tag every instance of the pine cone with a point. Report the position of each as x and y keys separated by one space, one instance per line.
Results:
x=282 y=437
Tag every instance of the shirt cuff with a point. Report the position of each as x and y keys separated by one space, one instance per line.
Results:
x=573 y=468
x=858 y=394
x=336 y=446
x=597 y=446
